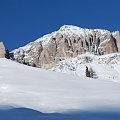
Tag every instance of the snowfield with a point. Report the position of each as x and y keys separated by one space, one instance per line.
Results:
x=106 y=67
x=48 y=91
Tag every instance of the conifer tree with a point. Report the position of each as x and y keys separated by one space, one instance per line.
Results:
x=7 y=54
x=87 y=72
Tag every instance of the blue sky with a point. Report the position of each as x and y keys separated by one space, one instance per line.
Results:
x=23 y=21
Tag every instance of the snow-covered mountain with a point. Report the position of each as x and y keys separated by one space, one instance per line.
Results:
x=48 y=91
x=68 y=41
x=69 y=50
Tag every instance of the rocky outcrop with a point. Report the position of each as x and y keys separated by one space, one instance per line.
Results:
x=112 y=45
x=68 y=41
x=2 y=50
x=118 y=40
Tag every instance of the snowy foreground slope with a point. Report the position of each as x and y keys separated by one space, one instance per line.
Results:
x=48 y=91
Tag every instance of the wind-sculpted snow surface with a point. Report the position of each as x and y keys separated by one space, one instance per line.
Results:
x=48 y=91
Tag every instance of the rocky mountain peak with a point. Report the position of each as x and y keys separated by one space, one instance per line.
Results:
x=69 y=27
x=68 y=41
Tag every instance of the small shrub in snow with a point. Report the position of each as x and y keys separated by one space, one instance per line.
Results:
x=90 y=73
x=93 y=74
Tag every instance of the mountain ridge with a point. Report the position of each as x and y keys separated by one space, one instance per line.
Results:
x=68 y=41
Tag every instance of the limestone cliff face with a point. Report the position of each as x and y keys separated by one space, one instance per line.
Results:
x=2 y=50
x=112 y=45
x=118 y=40
x=68 y=41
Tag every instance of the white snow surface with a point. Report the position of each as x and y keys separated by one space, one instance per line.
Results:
x=106 y=67
x=48 y=91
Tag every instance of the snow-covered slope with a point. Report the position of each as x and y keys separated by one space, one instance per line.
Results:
x=48 y=91
x=105 y=67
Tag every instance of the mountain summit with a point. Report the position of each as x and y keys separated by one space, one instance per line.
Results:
x=68 y=41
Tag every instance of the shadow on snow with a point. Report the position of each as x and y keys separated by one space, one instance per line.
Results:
x=29 y=114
